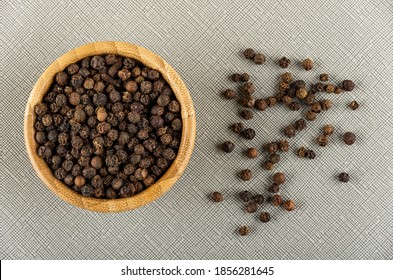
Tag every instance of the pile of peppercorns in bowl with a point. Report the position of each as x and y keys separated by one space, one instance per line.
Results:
x=110 y=127
x=294 y=94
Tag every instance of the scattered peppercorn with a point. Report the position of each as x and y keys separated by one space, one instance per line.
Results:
x=258 y=198
x=301 y=93
x=248 y=88
x=227 y=146
x=247 y=114
x=326 y=104
x=348 y=85
x=310 y=115
x=324 y=77
x=284 y=62
x=283 y=145
x=274 y=188
x=268 y=165
x=330 y=88
x=349 y=138
x=251 y=207
x=323 y=140
x=264 y=217
x=248 y=101
x=217 y=197
x=249 y=53
x=236 y=77
x=290 y=131
x=228 y=94
x=328 y=129
x=237 y=127
x=300 y=125
x=307 y=64
x=279 y=178
x=289 y=205
x=246 y=175
x=260 y=104
x=343 y=177
x=252 y=152
x=275 y=158
x=310 y=154
x=248 y=133
x=245 y=196
x=353 y=105
x=245 y=77
x=286 y=77
x=276 y=200
x=244 y=230
x=259 y=58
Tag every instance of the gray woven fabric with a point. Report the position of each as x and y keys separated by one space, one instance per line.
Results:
x=203 y=42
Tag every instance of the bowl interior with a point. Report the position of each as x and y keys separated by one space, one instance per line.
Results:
x=149 y=59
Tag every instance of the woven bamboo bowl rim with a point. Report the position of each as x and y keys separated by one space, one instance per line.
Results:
x=174 y=172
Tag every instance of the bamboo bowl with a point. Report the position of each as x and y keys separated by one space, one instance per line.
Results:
x=174 y=172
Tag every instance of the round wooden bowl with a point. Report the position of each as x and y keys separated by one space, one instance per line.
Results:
x=149 y=59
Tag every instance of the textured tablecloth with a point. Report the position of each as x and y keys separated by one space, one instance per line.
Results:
x=203 y=41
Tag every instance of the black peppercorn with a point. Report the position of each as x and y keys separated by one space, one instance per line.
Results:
x=246 y=175
x=248 y=133
x=349 y=138
x=284 y=62
x=217 y=197
x=343 y=177
x=264 y=217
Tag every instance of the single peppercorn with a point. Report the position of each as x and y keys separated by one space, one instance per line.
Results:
x=244 y=230
x=328 y=129
x=286 y=99
x=274 y=188
x=264 y=217
x=245 y=77
x=284 y=62
x=330 y=88
x=300 y=125
x=217 y=197
x=294 y=106
x=260 y=104
x=274 y=158
x=289 y=205
x=268 y=165
x=286 y=77
x=310 y=154
x=237 y=127
x=347 y=85
x=251 y=207
x=236 y=77
x=249 y=53
x=272 y=148
x=248 y=101
x=301 y=93
x=307 y=64
x=324 y=77
x=259 y=58
x=326 y=104
x=258 y=198
x=301 y=152
x=245 y=196
x=310 y=115
x=353 y=105
x=283 y=145
x=227 y=147
x=310 y=99
x=279 y=178
x=276 y=200
x=252 y=152
x=343 y=177
x=271 y=101
x=290 y=131
x=316 y=107
x=323 y=140
x=338 y=90
x=228 y=94
x=248 y=88
x=246 y=175
x=248 y=133
x=349 y=138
